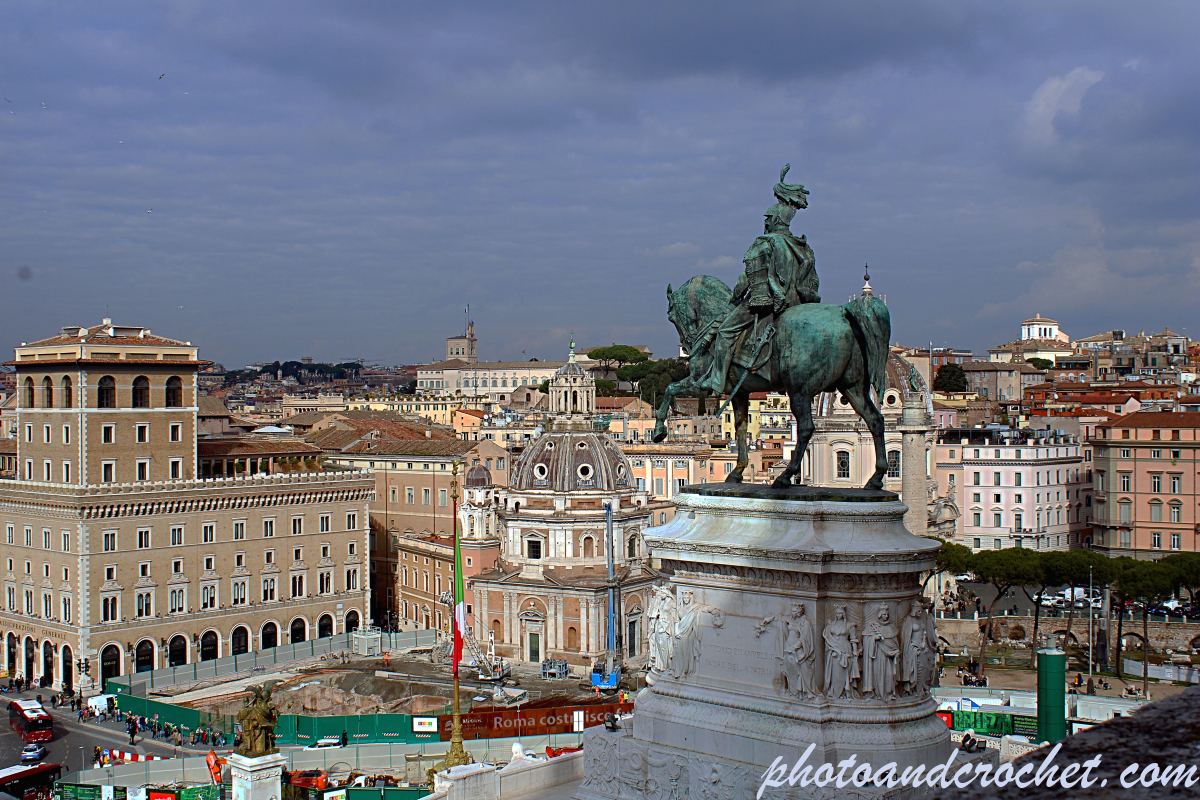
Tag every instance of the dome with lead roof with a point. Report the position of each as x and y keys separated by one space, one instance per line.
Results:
x=571 y=460
x=477 y=477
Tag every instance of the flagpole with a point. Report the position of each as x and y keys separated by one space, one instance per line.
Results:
x=458 y=754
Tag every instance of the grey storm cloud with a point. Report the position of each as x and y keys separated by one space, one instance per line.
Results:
x=341 y=179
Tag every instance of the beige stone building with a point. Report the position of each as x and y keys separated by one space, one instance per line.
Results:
x=119 y=556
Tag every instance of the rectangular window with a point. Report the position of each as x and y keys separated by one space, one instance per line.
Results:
x=641 y=484
x=1175 y=541
x=107 y=433
x=142 y=433
x=268 y=528
x=46 y=434
x=143 y=538
x=500 y=463
x=9 y=534
x=110 y=541
x=978 y=543
x=1017 y=520
x=45 y=539
x=297 y=586
x=239 y=593
x=995 y=479
x=998 y=544
x=1176 y=513
x=66 y=610
x=408 y=494
x=47 y=467
x=1156 y=512
x=28 y=538
x=323 y=523
x=1125 y=482
x=893 y=461
x=268 y=592
x=658 y=486
x=66 y=434
x=176 y=468
x=1176 y=483
x=977 y=519
x=143 y=470
x=269 y=556
x=978 y=478
x=1156 y=483
x=996 y=520
x=1156 y=539
x=425 y=496
x=176 y=432
x=239 y=529
x=66 y=472
x=843 y=464
x=352 y=522
x=351 y=579
x=297 y=526
x=176 y=536
x=441 y=497
x=1017 y=479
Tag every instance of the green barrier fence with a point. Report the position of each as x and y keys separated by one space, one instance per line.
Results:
x=188 y=719
x=366 y=729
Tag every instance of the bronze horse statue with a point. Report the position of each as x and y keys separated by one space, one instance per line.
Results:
x=816 y=348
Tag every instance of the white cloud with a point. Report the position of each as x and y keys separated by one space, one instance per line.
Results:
x=679 y=249
x=719 y=261
x=1055 y=96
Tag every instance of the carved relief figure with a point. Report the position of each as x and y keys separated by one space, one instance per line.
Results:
x=881 y=655
x=663 y=617
x=918 y=643
x=258 y=719
x=841 y=656
x=686 y=652
x=800 y=653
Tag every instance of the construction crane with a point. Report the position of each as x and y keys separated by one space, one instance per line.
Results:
x=490 y=667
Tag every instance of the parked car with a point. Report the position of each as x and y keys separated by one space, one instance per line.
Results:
x=325 y=742
x=310 y=779
x=32 y=752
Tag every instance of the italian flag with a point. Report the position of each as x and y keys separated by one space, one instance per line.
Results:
x=460 y=599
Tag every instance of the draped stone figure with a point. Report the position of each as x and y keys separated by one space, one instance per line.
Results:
x=800 y=653
x=686 y=649
x=663 y=617
x=918 y=645
x=841 y=656
x=881 y=655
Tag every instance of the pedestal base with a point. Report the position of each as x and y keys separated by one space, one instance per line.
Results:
x=794 y=618
x=258 y=778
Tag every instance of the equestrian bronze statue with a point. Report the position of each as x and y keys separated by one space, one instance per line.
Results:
x=771 y=333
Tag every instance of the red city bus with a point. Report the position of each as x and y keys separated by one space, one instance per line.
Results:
x=30 y=721
x=30 y=783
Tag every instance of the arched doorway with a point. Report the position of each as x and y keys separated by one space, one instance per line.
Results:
x=47 y=664
x=68 y=669
x=30 y=654
x=239 y=641
x=324 y=626
x=143 y=656
x=177 y=651
x=208 y=646
x=351 y=621
x=110 y=664
x=11 y=663
x=298 y=630
x=270 y=636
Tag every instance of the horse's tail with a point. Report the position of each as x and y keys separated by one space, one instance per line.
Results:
x=872 y=326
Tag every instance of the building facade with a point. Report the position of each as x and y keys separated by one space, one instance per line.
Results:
x=117 y=555
x=1146 y=484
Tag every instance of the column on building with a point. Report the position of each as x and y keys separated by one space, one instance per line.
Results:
x=914 y=428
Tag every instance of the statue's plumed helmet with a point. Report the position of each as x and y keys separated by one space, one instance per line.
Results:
x=791 y=197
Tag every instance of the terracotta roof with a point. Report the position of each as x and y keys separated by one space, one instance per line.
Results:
x=235 y=447
x=307 y=418
x=412 y=447
x=211 y=407
x=453 y=363
x=94 y=362
x=472 y=412
x=1040 y=318
x=99 y=334
x=938 y=405
x=1156 y=419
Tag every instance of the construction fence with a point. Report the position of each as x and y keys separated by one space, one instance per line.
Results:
x=141 y=683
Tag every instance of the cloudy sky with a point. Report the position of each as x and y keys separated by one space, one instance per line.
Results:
x=273 y=180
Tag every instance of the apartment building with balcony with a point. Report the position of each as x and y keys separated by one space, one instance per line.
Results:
x=1016 y=488
x=1146 y=484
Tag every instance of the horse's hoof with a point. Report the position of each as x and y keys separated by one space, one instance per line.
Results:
x=781 y=482
x=874 y=484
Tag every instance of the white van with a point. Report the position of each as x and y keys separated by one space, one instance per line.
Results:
x=99 y=704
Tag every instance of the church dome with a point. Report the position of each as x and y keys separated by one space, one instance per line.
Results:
x=899 y=375
x=565 y=461
x=478 y=477
x=570 y=368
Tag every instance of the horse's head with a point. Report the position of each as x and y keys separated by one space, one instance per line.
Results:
x=700 y=300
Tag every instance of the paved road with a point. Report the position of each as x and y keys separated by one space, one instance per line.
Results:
x=1016 y=599
x=70 y=735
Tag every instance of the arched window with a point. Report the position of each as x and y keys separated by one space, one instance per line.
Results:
x=239 y=640
x=67 y=398
x=270 y=636
x=589 y=547
x=106 y=393
x=572 y=639
x=141 y=392
x=174 y=393
x=208 y=646
x=893 y=464
x=496 y=631
x=47 y=392
x=351 y=621
x=631 y=551
x=177 y=651
x=843 y=464
x=324 y=626
x=27 y=399
x=144 y=656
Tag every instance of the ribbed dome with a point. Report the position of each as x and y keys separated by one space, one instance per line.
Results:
x=565 y=461
x=478 y=477
x=569 y=368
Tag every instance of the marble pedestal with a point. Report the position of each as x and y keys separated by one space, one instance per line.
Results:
x=789 y=621
x=258 y=778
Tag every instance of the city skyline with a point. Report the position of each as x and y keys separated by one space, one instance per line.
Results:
x=340 y=181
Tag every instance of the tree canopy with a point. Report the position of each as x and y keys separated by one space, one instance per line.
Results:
x=1040 y=363
x=617 y=354
x=950 y=378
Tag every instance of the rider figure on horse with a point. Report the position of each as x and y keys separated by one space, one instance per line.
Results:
x=780 y=273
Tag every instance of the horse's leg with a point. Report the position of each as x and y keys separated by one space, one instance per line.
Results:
x=860 y=400
x=802 y=411
x=682 y=386
x=741 y=412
